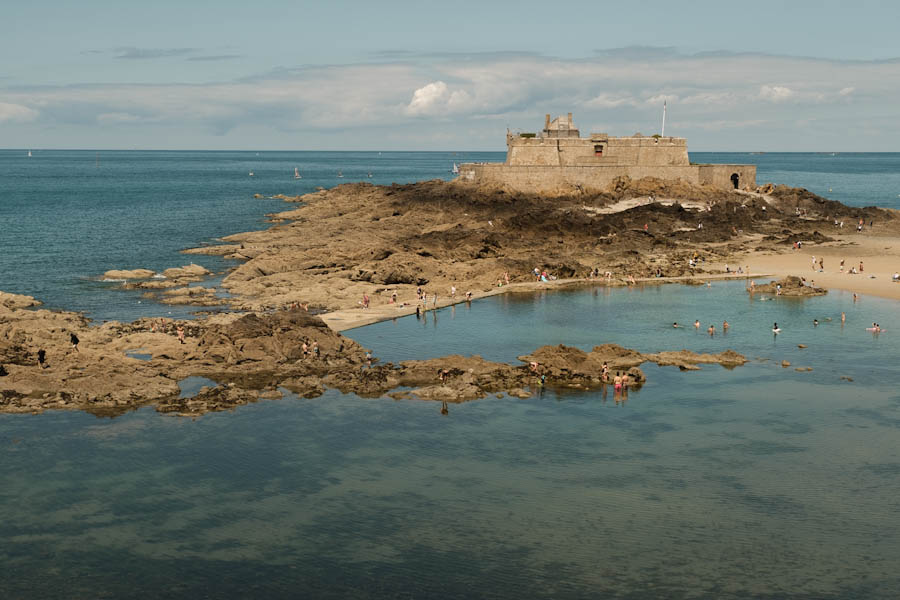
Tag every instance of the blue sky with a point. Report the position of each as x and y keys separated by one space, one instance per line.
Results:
x=454 y=75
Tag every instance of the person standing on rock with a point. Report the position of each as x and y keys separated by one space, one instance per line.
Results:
x=42 y=356
x=74 y=339
x=180 y=331
x=365 y=301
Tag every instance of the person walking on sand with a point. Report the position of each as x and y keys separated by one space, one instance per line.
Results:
x=813 y=263
x=842 y=265
x=860 y=266
x=821 y=264
x=180 y=331
x=74 y=339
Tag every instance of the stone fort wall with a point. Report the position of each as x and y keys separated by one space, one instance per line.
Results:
x=555 y=179
x=597 y=150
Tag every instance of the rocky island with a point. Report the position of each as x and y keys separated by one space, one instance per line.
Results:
x=390 y=246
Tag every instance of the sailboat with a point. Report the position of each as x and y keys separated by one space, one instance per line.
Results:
x=369 y=174
x=251 y=174
x=455 y=169
x=296 y=174
x=340 y=174
x=29 y=154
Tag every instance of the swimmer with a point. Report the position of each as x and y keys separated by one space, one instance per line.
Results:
x=675 y=325
x=775 y=328
x=697 y=324
x=843 y=317
x=725 y=325
x=711 y=330
x=815 y=322
x=617 y=382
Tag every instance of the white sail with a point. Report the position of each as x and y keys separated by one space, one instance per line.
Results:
x=297 y=173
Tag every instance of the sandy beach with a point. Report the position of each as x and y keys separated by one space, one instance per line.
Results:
x=879 y=251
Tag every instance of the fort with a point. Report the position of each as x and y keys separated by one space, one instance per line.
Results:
x=558 y=160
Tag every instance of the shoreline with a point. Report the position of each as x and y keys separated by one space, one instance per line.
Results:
x=353 y=318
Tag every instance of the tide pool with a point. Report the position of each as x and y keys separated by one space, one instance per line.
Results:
x=754 y=482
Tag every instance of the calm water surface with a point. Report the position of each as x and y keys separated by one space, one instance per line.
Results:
x=755 y=482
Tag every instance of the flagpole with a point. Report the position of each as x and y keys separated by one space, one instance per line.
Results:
x=663 y=132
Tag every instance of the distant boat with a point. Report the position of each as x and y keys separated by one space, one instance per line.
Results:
x=297 y=174
x=29 y=154
x=369 y=174
x=251 y=173
x=340 y=174
x=455 y=169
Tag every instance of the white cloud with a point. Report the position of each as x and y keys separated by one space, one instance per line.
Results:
x=476 y=96
x=118 y=117
x=436 y=99
x=658 y=99
x=16 y=112
x=609 y=101
x=775 y=93
x=427 y=97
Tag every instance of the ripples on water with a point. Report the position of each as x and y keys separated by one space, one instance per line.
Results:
x=754 y=482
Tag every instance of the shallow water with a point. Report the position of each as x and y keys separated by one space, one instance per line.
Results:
x=758 y=481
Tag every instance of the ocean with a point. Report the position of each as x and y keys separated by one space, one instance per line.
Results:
x=759 y=481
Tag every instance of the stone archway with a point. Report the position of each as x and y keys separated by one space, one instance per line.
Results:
x=736 y=180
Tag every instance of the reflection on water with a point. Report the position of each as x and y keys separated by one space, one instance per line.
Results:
x=756 y=482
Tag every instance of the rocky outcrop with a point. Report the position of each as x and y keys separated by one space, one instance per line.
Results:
x=360 y=239
x=250 y=356
x=129 y=274
x=198 y=296
x=186 y=273
x=789 y=286
x=11 y=301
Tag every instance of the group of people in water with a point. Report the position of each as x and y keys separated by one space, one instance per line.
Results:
x=711 y=330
